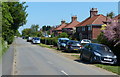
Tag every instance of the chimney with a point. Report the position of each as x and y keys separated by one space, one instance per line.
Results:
x=93 y=12
x=74 y=18
x=63 y=22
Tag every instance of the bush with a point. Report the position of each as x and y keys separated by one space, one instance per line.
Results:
x=63 y=35
x=49 y=41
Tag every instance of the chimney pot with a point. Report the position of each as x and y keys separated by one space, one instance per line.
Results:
x=93 y=12
x=74 y=18
x=63 y=21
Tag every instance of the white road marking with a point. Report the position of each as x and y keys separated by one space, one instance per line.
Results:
x=64 y=72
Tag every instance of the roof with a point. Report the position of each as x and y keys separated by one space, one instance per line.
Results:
x=61 y=26
x=117 y=17
x=98 y=19
x=72 y=24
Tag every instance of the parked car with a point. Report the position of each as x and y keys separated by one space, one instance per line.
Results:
x=29 y=39
x=85 y=41
x=73 y=46
x=99 y=53
x=23 y=37
x=62 y=43
x=36 y=40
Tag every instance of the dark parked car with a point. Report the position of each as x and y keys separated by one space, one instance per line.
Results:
x=62 y=43
x=100 y=53
x=73 y=46
x=29 y=39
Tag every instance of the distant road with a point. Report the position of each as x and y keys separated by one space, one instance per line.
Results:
x=32 y=59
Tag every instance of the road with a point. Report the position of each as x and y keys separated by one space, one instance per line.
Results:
x=31 y=59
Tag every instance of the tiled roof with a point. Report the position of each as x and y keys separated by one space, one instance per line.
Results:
x=61 y=26
x=72 y=24
x=117 y=17
x=98 y=19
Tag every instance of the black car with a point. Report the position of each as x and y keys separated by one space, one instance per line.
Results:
x=73 y=46
x=62 y=43
x=98 y=53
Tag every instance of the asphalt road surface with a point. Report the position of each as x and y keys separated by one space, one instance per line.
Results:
x=31 y=59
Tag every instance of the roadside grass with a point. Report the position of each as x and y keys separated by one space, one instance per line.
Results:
x=114 y=69
x=77 y=56
x=47 y=46
x=111 y=68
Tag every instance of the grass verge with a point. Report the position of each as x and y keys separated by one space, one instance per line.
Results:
x=47 y=46
x=77 y=56
x=114 y=69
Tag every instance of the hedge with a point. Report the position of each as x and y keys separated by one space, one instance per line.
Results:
x=49 y=41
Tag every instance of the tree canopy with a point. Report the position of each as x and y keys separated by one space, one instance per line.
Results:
x=13 y=16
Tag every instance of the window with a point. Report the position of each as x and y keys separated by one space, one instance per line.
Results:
x=89 y=27
x=83 y=28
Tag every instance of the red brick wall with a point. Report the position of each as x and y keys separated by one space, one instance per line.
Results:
x=95 y=32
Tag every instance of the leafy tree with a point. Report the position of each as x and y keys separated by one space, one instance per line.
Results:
x=110 y=36
x=39 y=34
x=34 y=30
x=17 y=33
x=111 y=14
x=26 y=32
x=112 y=32
x=46 y=28
x=14 y=16
x=63 y=35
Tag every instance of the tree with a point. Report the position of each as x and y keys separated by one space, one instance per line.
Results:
x=111 y=14
x=13 y=16
x=34 y=30
x=63 y=35
x=46 y=28
x=112 y=32
x=110 y=36
x=26 y=32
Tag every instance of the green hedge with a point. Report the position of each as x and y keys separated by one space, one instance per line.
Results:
x=49 y=41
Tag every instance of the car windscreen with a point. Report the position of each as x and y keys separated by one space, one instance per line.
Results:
x=36 y=39
x=86 y=40
x=76 y=43
x=102 y=48
x=64 y=41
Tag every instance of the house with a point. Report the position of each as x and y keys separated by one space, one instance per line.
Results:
x=70 y=27
x=90 y=27
x=59 y=28
x=117 y=18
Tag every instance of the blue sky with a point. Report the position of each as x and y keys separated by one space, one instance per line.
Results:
x=51 y=13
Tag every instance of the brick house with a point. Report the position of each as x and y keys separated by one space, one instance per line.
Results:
x=59 y=28
x=70 y=27
x=117 y=18
x=90 y=27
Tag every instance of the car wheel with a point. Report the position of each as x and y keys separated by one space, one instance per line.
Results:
x=92 y=60
x=81 y=57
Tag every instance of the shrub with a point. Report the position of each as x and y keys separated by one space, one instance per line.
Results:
x=63 y=35
x=49 y=41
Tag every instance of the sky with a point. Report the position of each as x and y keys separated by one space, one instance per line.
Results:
x=51 y=13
